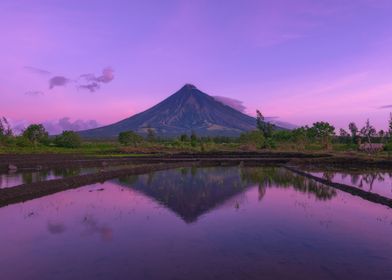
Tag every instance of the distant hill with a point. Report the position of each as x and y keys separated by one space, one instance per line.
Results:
x=185 y=111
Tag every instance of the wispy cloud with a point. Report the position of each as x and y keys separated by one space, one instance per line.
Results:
x=385 y=106
x=231 y=102
x=34 y=92
x=36 y=70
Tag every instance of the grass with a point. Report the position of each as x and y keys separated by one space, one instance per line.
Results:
x=114 y=149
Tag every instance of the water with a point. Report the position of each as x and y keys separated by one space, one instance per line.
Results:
x=206 y=223
x=13 y=179
x=376 y=181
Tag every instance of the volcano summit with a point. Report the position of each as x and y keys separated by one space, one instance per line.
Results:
x=187 y=110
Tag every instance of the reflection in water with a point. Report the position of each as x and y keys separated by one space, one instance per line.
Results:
x=282 y=178
x=297 y=231
x=27 y=177
x=187 y=191
x=55 y=228
x=93 y=227
x=191 y=192
x=376 y=181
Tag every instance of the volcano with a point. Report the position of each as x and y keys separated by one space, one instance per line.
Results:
x=186 y=111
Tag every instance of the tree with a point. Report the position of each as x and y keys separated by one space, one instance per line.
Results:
x=265 y=127
x=381 y=134
x=68 y=139
x=354 y=131
x=300 y=136
x=343 y=133
x=151 y=135
x=254 y=137
x=36 y=133
x=184 y=138
x=129 y=138
x=345 y=137
x=368 y=131
x=324 y=131
x=5 y=128
x=390 y=125
x=193 y=139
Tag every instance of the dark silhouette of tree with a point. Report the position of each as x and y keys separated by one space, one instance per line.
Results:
x=354 y=131
x=68 y=139
x=129 y=138
x=324 y=131
x=368 y=131
x=36 y=133
x=5 y=128
x=151 y=135
x=265 y=127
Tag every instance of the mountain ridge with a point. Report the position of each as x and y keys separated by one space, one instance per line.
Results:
x=187 y=110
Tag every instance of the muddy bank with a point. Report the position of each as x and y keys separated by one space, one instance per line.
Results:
x=46 y=161
x=369 y=196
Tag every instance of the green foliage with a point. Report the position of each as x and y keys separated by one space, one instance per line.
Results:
x=323 y=132
x=368 y=131
x=269 y=143
x=193 y=139
x=151 y=135
x=68 y=139
x=354 y=131
x=255 y=137
x=265 y=127
x=5 y=128
x=129 y=138
x=390 y=125
x=282 y=135
x=36 y=133
x=184 y=138
x=21 y=141
x=388 y=146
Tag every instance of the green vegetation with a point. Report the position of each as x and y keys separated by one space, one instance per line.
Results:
x=129 y=138
x=36 y=133
x=319 y=137
x=68 y=139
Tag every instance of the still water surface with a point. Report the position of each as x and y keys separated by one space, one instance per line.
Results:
x=205 y=223
x=12 y=179
x=376 y=181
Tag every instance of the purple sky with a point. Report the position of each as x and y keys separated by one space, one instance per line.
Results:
x=301 y=61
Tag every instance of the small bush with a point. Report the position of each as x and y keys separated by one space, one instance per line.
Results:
x=254 y=137
x=129 y=138
x=21 y=141
x=36 y=133
x=68 y=139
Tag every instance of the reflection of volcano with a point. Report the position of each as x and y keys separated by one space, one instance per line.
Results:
x=191 y=192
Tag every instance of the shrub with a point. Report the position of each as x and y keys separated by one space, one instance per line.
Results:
x=36 y=133
x=254 y=137
x=21 y=141
x=68 y=139
x=129 y=138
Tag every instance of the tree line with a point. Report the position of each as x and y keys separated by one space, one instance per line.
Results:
x=36 y=134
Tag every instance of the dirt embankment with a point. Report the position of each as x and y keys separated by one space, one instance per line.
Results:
x=46 y=161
